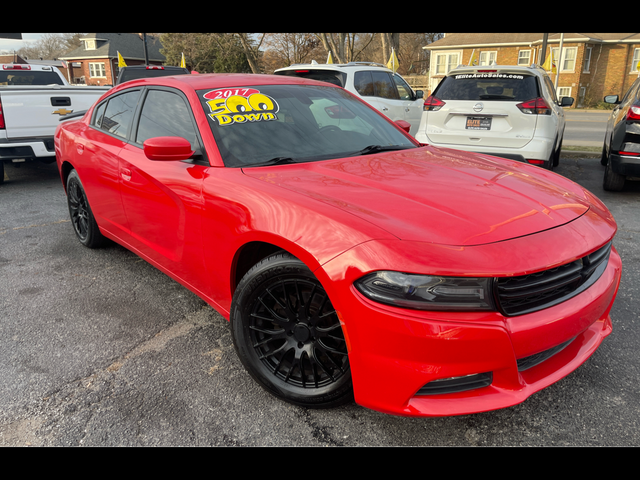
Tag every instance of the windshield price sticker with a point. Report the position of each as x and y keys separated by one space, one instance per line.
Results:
x=478 y=123
x=240 y=105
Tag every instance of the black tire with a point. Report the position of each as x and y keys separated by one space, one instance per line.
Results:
x=556 y=155
x=613 y=182
x=82 y=219
x=288 y=335
x=604 y=159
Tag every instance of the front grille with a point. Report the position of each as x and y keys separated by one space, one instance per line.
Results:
x=530 y=293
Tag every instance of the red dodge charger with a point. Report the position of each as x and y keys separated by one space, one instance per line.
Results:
x=352 y=262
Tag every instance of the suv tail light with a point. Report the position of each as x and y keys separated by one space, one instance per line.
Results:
x=633 y=115
x=432 y=104
x=537 y=106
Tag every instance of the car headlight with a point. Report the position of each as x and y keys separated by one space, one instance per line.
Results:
x=427 y=292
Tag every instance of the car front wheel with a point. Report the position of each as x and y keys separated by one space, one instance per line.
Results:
x=288 y=335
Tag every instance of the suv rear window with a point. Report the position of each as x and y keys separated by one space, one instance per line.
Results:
x=488 y=86
x=329 y=76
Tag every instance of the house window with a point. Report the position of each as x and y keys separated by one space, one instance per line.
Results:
x=97 y=70
x=90 y=44
x=446 y=62
x=568 y=58
x=587 y=60
x=563 y=92
x=635 y=64
x=524 y=57
x=488 y=58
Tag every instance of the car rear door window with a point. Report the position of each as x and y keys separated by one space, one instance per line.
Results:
x=119 y=113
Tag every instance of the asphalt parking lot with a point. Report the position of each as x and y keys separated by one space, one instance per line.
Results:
x=98 y=348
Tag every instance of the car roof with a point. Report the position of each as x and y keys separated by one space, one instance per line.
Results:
x=221 y=80
x=335 y=66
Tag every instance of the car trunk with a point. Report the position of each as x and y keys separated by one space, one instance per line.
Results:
x=482 y=109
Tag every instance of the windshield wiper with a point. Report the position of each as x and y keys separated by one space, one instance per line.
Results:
x=274 y=161
x=381 y=148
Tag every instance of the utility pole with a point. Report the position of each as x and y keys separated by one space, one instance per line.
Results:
x=543 y=54
x=559 y=62
x=146 y=55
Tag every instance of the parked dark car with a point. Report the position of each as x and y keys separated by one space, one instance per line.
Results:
x=146 y=71
x=621 y=150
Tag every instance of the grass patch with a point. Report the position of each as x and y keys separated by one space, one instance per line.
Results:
x=581 y=149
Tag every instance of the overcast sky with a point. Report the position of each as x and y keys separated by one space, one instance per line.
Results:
x=11 y=45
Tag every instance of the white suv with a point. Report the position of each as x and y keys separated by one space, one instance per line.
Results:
x=374 y=83
x=506 y=111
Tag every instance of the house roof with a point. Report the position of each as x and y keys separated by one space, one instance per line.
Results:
x=469 y=40
x=130 y=46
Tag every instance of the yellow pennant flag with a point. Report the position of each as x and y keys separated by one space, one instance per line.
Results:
x=472 y=60
x=183 y=64
x=121 y=61
x=329 y=58
x=548 y=62
x=393 y=61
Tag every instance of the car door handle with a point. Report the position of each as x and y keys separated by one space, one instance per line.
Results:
x=384 y=109
x=125 y=173
x=80 y=148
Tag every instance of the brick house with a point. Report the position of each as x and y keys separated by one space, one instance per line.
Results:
x=593 y=64
x=95 y=62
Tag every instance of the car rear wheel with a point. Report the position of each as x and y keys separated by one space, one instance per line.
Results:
x=288 y=335
x=82 y=219
x=613 y=182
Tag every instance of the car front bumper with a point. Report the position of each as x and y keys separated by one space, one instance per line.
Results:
x=395 y=354
x=402 y=353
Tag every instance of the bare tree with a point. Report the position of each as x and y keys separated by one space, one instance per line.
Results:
x=51 y=46
x=251 y=50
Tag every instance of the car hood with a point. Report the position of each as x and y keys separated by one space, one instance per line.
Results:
x=437 y=195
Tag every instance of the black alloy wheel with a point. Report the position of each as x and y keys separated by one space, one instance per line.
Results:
x=82 y=218
x=288 y=335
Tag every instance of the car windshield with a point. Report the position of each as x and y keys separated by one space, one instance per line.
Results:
x=272 y=124
x=488 y=86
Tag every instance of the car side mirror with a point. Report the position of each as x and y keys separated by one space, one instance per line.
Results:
x=566 y=101
x=404 y=125
x=612 y=99
x=167 y=148
x=419 y=94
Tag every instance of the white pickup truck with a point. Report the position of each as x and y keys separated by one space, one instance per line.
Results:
x=33 y=99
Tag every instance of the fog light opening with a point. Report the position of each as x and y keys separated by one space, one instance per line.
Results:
x=456 y=384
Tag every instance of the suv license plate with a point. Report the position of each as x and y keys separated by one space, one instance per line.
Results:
x=478 y=123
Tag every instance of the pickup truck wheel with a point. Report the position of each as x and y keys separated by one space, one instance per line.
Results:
x=84 y=224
